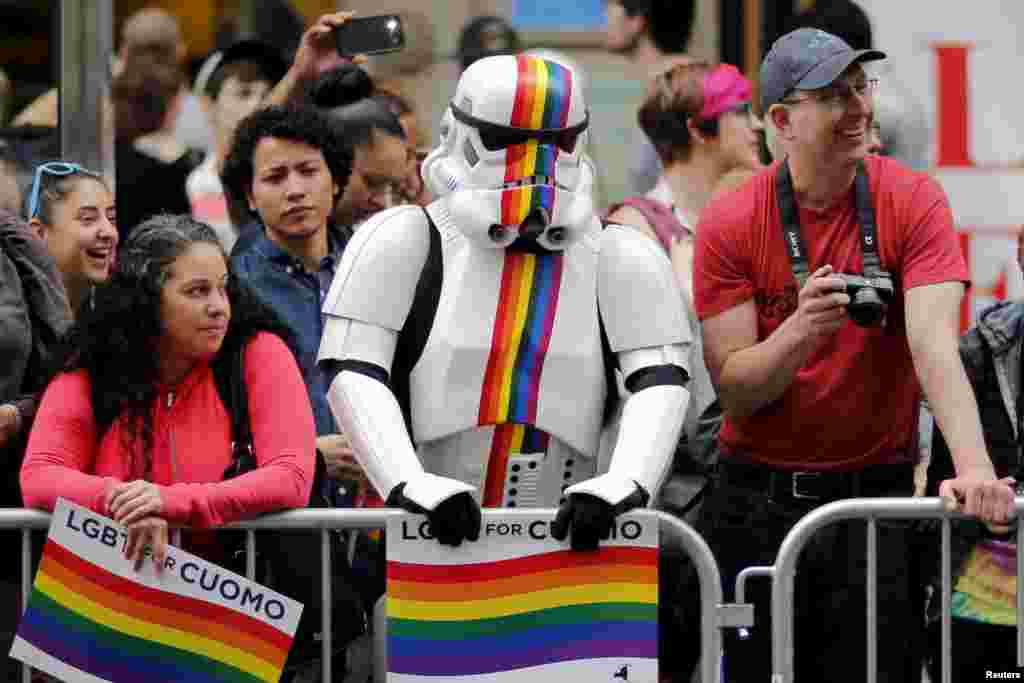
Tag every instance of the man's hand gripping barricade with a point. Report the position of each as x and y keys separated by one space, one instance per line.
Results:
x=472 y=346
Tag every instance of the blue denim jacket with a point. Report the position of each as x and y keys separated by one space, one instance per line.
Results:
x=295 y=295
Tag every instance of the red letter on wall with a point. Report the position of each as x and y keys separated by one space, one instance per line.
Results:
x=951 y=89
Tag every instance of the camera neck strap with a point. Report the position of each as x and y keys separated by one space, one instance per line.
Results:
x=790 y=214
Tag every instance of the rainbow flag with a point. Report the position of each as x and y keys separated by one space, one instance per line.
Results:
x=542 y=100
x=91 y=617
x=523 y=322
x=517 y=605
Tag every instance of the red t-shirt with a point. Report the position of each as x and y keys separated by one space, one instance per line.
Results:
x=855 y=401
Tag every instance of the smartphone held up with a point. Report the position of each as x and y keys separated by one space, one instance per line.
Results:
x=370 y=35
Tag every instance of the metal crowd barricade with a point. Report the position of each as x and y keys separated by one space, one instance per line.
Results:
x=714 y=614
x=871 y=510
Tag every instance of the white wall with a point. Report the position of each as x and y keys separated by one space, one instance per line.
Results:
x=988 y=198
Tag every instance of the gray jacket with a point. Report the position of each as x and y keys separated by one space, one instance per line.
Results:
x=34 y=313
x=991 y=354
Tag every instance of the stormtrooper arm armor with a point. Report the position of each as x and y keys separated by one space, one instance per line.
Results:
x=366 y=307
x=642 y=309
x=370 y=416
x=652 y=419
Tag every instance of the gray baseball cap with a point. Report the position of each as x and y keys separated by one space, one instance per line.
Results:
x=807 y=58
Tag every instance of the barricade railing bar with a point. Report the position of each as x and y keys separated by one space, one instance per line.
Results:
x=741 y=590
x=871 y=510
x=714 y=614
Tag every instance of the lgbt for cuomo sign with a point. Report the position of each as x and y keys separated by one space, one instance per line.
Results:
x=519 y=606
x=91 y=617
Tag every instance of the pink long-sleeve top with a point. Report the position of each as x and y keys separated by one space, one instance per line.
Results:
x=192 y=444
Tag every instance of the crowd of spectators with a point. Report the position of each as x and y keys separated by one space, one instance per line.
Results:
x=120 y=304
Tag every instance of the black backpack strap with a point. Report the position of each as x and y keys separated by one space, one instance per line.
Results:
x=413 y=336
x=229 y=377
x=241 y=428
x=611 y=364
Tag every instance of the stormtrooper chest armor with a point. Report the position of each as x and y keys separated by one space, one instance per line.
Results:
x=514 y=353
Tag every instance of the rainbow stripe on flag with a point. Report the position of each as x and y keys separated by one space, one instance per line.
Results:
x=536 y=610
x=542 y=100
x=85 y=622
x=525 y=316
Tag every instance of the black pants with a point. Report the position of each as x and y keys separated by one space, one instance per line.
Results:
x=678 y=587
x=978 y=648
x=744 y=527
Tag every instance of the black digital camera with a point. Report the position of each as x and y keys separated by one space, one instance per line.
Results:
x=869 y=297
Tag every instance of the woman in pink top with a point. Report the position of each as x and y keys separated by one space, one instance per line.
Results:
x=133 y=426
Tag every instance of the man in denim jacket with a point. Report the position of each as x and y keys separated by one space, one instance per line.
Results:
x=289 y=167
x=984 y=558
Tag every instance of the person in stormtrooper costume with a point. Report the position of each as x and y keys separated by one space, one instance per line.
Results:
x=504 y=402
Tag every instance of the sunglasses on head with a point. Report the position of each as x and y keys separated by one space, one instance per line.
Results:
x=494 y=136
x=56 y=168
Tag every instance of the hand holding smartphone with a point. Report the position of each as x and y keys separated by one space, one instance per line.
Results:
x=370 y=35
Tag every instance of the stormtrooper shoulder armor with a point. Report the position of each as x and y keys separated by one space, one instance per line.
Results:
x=640 y=302
x=377 y=277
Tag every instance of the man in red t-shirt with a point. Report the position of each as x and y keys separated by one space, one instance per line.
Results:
x=818 y=408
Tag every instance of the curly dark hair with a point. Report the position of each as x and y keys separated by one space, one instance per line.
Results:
x=300 y=123
x=113 y=339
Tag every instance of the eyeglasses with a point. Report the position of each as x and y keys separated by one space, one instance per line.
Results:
x=57 y=168
x=837 y=95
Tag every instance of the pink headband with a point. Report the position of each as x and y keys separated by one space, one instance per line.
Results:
x=725 y=88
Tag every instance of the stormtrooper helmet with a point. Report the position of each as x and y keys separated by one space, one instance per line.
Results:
x=511 y=161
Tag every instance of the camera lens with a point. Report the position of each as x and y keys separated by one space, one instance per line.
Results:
x=866 y=308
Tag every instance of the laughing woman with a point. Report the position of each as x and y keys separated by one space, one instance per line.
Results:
x=72 y=210
x=133 y=426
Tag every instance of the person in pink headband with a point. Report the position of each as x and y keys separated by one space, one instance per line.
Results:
x=698 y=118
x=724 y=89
